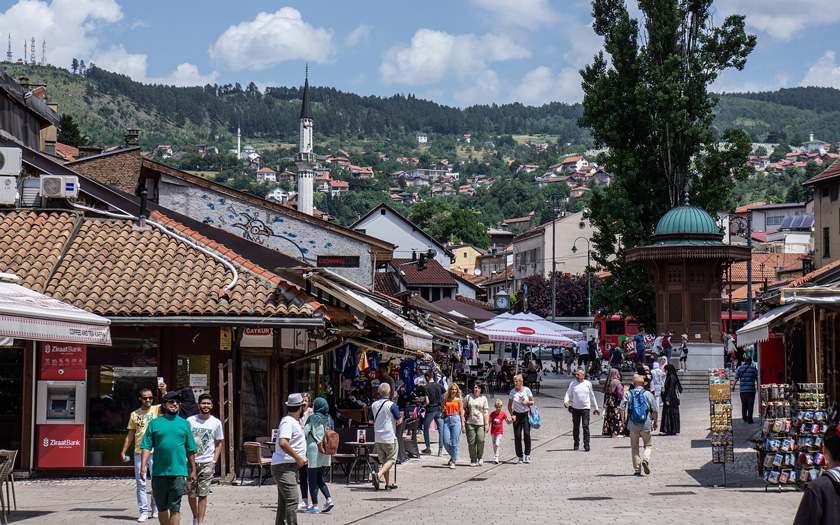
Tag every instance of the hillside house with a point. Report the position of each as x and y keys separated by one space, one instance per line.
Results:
x=339 y=188
x=266 y=175
x=422 y=138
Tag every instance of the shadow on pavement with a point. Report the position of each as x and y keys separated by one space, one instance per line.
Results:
x=21 y=515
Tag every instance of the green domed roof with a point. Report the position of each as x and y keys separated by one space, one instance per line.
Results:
x=686 y=219
x=687 y=225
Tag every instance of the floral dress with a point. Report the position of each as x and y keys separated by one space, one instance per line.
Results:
x=613 y=422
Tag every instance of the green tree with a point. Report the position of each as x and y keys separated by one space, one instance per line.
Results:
x=650 y=105
x=74 y=65
x=69 y=132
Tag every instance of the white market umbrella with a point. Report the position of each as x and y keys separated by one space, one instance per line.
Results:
x=571 y=333
x=523 y=331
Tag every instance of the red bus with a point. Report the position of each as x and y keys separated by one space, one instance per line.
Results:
x=613 y=330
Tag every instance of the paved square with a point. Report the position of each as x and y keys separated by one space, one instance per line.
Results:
x=555 y=488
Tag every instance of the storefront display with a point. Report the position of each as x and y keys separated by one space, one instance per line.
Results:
x=794 y=420
x=720 y=412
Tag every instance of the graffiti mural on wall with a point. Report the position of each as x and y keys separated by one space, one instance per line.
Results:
x=259 y=226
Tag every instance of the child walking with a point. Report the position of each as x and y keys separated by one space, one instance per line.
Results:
x=497 y=418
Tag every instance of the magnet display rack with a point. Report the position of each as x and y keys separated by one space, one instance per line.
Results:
x=720 y=414
x=810 y=422
x=776 y=451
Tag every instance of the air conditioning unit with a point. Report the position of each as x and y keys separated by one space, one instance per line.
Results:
x=59 y=186
x=10 y=161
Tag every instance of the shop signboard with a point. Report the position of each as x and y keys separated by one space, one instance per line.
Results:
x=338 y=261
x=61 y=446
x=486 y=348
x=225 y=339
x=257 y=337
x=63 y=361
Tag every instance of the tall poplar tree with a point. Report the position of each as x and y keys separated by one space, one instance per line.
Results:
x=649 y=104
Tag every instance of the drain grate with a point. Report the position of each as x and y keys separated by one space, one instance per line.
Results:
x=590 y=498
x=386 y=499
x=477 y=479
x=674 y=493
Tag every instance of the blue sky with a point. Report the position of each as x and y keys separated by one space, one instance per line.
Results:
x=455 y=52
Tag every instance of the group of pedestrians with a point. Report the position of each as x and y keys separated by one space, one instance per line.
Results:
x=178 y=444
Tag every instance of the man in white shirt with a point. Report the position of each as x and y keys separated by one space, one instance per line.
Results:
x=385 y=416
x=289 y=455
x=657 y=346
x=579 y=399
x=208 y=434
x=582 y=354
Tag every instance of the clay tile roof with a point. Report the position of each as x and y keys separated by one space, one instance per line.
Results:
x=385 y=284
x=786 y=261
x=808 y=277
x=743 y=209
x=433 y=275
x=110 y=269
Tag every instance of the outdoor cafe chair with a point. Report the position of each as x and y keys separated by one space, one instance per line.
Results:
x=257 y=455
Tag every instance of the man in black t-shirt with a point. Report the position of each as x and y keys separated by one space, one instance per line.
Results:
x=432 y=402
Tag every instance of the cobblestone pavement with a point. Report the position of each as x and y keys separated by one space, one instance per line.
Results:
x=555 y=488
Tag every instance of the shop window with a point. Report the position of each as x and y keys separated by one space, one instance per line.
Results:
x=194 y=371
x=11 y=399
x=115 y=376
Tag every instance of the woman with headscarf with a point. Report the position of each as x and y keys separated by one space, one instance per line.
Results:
x=671 y=399
x=317 y=463
x=613 y=393
x=658 y=378
x=187 y=407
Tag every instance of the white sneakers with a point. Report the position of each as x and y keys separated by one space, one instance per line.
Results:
x=302 y=506
x=527 y=459
x=195 y=521
x=480 y=462
x=143 y=517
x=496 y=460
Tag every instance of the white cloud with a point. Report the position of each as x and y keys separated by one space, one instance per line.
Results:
x=68 y=26
x=824 y=73
x=135 y=65
x=782 y=19
x=359 y=35
x=529 y=14
x=584 y=44
x=540 y=86
x=269 y=39
x=435 y=55
x=733 y=81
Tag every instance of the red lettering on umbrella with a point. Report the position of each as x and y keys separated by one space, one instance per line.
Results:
x=525 y=330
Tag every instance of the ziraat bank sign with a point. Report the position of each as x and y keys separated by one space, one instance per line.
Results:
x=61 y=446
x=63 y=361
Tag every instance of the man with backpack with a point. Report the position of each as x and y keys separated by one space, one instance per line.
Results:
x=385 y=416
x=641 y=411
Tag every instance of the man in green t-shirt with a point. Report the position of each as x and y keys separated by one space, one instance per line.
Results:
x=171 y=438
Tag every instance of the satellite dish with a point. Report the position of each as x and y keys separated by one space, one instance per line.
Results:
x=477 y=272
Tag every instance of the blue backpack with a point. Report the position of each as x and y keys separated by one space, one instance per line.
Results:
x=638 y=406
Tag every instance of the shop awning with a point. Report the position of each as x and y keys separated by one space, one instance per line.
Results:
x=414 y=337
x=759 y=329
x=25 y=314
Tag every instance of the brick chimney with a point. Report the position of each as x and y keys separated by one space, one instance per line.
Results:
x=132 y=138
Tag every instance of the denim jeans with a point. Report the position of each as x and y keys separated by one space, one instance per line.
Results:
x=427 y=420
x=580 y=415
x=142 y=500
x=452 y=435
x=286 y=477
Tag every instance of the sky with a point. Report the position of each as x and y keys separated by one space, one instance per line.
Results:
x=454 y=52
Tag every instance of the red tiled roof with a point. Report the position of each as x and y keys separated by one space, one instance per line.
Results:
x=808 y=277
x=68 y=152
x=110 y=269
x=385 y=284
x=743 y=209
x=265 y=170
x=434 y=274
x=787 y=261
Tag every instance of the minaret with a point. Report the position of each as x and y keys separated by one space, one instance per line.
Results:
x=44 y=53
x=305 y=159
x=238 y=143
x=9 y=52
x=32 y=52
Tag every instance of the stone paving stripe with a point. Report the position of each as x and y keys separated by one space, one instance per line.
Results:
x=674 y=493
x=590 y=498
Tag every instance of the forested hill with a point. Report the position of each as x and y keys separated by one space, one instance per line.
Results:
x=104 y=104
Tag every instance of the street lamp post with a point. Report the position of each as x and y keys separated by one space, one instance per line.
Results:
x=553 y=202
x=588 y=274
